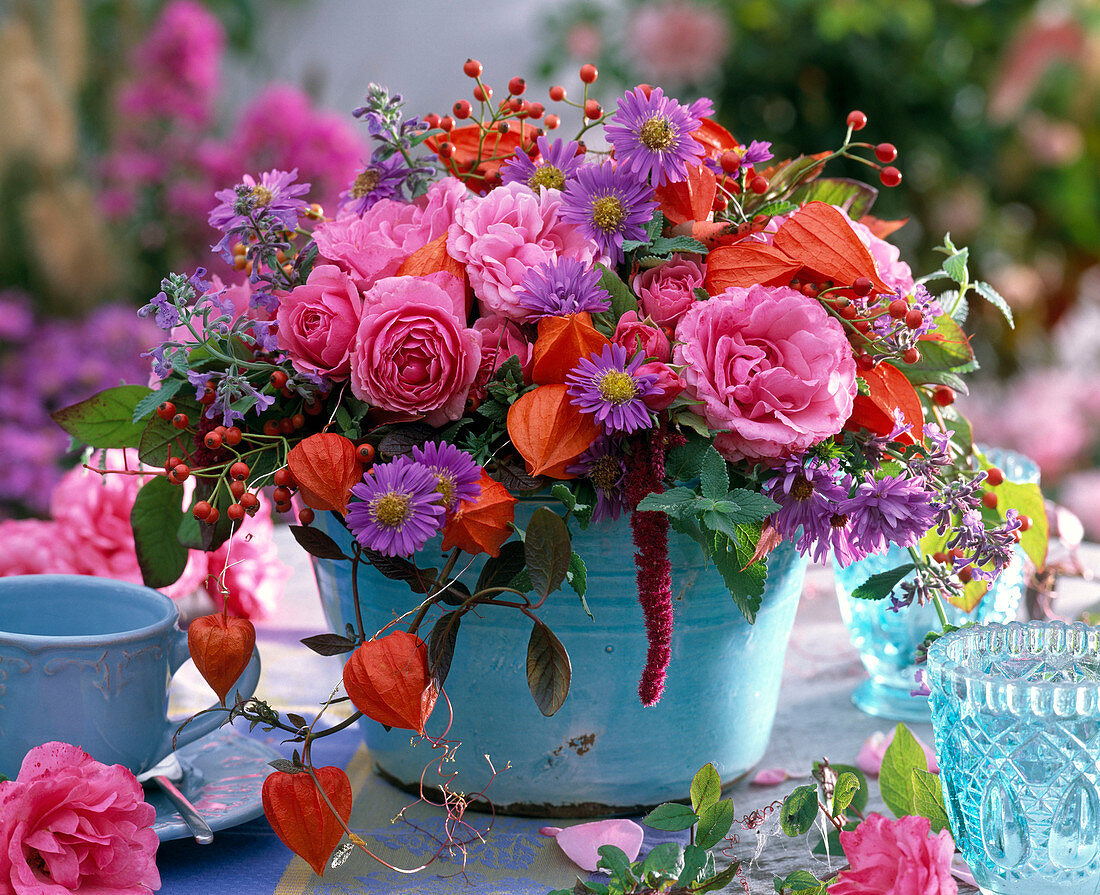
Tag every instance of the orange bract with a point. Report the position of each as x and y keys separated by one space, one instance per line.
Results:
x=470 y=143
x=325 y=466
x=747 y=263
x=299 y=816
x=220 y=647
x=890 y=391
x=549 y=432
x=433 y=258
x=561 y=343
x=691 y=199
x=482 y=525
x=387 y=679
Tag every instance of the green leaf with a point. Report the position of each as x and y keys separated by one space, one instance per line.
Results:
x=548 y=669
x=830 y=844
x=859 y=799
x=547 y=549
x=578 y=580
x=666 y=859
x=153 y=400
x=695 y=423
x=853 y=196
x=155 y=519
x=955 y=266
x=714 y=823
x=671 y=817
x=695 y=865
x=683 y=462
x=614 y=859
x=706 y=788
x=1028 y=500
x=774 y=208
x=562 y=492
x=622 y=300
x=801 y=881
x=896 y=777
x=945 y=348
x=714 y=478
x=745 y=582
x=928 y=799
x=666 y=245
x=995 y=298
x=799 y=810
x=106 y=419
x=847 y=785
x=677 y=502
x=742 y=505
x=879 y=586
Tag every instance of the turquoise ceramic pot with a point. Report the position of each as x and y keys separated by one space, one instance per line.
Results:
x=602 y=752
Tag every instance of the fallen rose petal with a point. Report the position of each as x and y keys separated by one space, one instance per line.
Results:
x=771 y=776
x=581 y=843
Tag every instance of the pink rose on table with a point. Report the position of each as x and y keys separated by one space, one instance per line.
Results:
x=71 y=824
x=503 y=235
x=318 y=321
x=412 y=354
x=896 y=857
x=638 y=335
x=770 y=367
x=666 y=292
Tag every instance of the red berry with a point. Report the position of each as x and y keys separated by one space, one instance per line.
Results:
x=237 y=489
x=212 y=518
x=235 y=512
x=201 y=510
x=447 y=123
x=886 y=152
x=898 y=308
x=516 y=86
x=365 y=453
x=890 y=176
x=180 y=421
x=179 y=473
x=720 y=202
x=279 y=379
x=911 y=356
x=305 y=516
x=249 y=501
x=280 y=495
x=552 y=122
x=483 y=93
x=431 y=119
x=286 y=426
x=759 y=184
x=994 y=476
x=172 y=461
x=446 y=149
x=472 y=68
x=314 y=408
x=865 y=362
x=298 y=420
x=283 y=477
x=166 y=410
x=592 y=110
x=965 y=574
x=283 y=507
x=1025 y=522
x=502 y=128
x=857 y=121
x=536 y=110
x=233 y=436
x=239 y=471
x=461 y=109
x=209 y=396
x=943 y=395
x=731 y=162
x=862 y=287
x=939 y=556
x=271 y=427
x=914 y=318
x=989 y=499
x=589 y=73
x=557 y=93
x=212 y=440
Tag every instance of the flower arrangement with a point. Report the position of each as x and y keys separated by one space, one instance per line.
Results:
x=651 y=324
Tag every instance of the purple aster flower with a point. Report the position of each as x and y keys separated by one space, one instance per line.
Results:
x=381 y=179
x=167 y=314
x=755 y=153
x=808 y=495
x=608 y=204
x=457 y=474
x=895 y=509
x=398 y=508
x=559 y=162
x=275 y=198
x=561 y=287
x=602 y=464
x=652 y=136
x=613 y=390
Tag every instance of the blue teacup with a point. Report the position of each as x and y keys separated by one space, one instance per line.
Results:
x=88 y=661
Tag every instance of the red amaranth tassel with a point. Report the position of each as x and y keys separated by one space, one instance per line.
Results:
x=650 y=530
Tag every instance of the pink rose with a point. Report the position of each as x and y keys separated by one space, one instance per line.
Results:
x=637 y=335
x=247 y=566
x=318 y=320
x=666 y=292
x=668 y=385
x=412 y=354
x=71 y=824
x=35 y=547
x=895 y=273
x=503 y=235
x=874 y=749
x=773 y=372
x=896 y=857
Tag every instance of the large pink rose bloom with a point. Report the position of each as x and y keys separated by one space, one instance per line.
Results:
x=667 y=291
x=318 y=320
x=374 y=245
x=69 y=823
x=896 y=857
x=770 y=367
x=412 y=354
x=503 y=235
x=247 y=566
x=35 y=547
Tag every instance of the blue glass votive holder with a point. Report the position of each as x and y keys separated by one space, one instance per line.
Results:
x=1016 y=713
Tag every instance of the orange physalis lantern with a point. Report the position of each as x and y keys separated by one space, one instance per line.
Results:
x=300 y=817
x=387 y=679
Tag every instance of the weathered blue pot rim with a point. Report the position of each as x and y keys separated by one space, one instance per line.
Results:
x=949 y=672
x=39 y=641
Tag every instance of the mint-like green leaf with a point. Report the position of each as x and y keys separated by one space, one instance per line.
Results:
x=683 y=462
x=153 y=400
x=955 y=266
x=577 y=575
x=799 y=810
x=995 y=298
x=896 y=777
x=155 y=518
x=706 y=788
x=879 y=586
x=714 y=478
x=742 y=506
x=677 y=502
x=562 y=492
x=666 y=245
x=745 y=582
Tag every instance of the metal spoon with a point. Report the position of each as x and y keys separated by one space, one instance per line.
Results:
x=163 y=773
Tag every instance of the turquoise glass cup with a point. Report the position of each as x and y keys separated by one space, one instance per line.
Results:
x=1016 y=712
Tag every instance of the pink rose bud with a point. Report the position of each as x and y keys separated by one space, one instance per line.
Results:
x=668 y=291
x=636 y=335
x=667 y=380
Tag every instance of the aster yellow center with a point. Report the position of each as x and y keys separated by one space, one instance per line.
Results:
x=656 y=134
x=547 y=176
x=608 y=213
x=364 y=184
x=802 y=489
x=616 y=387
x=261 y=195
x=605 y=473
x=445 y=486
x=391 y=509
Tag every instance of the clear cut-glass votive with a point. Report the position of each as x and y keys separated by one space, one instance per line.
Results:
x=1016 y=712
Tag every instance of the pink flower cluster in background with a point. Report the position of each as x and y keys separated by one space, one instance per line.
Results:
x=69 y=823
x=677 y=42
x=90 y=534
